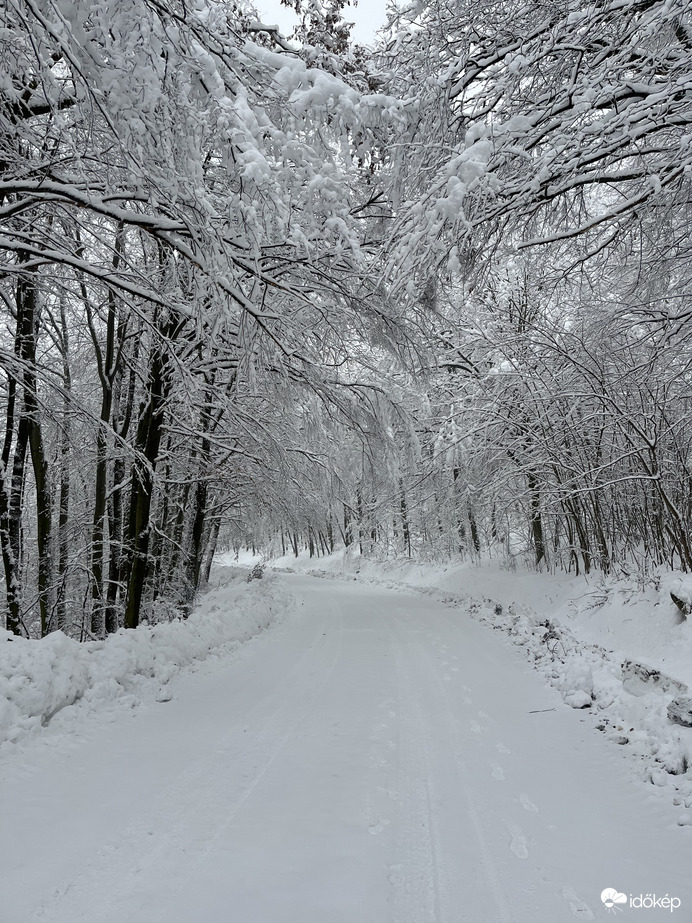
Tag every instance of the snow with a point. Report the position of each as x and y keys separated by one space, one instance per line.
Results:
x=615 y=646
x=378 y=753
x=38 y=679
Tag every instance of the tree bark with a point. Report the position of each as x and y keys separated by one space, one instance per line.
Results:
x=535 y=518
x=26 y=301
x=64 y=500
x=147 y=445
x=105 y=363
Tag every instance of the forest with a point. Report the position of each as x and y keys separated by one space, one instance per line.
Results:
x=426 y=298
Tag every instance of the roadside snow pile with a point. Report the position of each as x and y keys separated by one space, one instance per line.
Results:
x=40 y=678
x=629 y=700
x=635 y=705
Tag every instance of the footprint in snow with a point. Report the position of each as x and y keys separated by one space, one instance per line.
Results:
x=577 y=905
x=377 y=828
x=501 y=748
x=497 y=772
x=517 y=842
x=475 y=727
x=527 y=804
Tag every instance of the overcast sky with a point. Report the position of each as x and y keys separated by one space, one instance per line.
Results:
x=368 y=16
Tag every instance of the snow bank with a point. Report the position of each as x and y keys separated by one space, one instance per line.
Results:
x=40 y=678
x=629 y=701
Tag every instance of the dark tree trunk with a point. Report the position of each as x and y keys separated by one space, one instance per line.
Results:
x=202 y=487
x=535 y=517
x=403 y=509
x=115 y=561
x=122 y=417
x=147 y=443
x=473 y=525
x=105 y=364
x=64 y=500
x=197 y=534
x=10 y=504
x=27 y=322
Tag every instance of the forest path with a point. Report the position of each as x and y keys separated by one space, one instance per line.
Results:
x=374 y=757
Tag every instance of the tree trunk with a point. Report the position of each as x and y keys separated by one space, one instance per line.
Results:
x=211 y=548
x=27 y=323
x=64 y=501
x=473 y=525
x=404 y=519
x=202 y=487
x=147 y=445
x=536 y=520
x=11 y=492
x=461 y=527
x=105 y=363
x=122 y=417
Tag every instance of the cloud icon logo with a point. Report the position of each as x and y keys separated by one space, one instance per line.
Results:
x=611 y=898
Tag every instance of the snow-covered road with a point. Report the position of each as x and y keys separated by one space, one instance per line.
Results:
x=373 y=758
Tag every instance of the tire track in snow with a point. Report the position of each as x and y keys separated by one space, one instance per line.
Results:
x=449 y=797
x=413 y=875
x=451 y=734
x=300 y=706
x=517 y=840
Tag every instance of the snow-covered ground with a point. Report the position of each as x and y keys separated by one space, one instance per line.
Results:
x=616 y=646
x=40 y=679
x=375 y=755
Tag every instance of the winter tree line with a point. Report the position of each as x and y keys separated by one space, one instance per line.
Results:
x=430 y=297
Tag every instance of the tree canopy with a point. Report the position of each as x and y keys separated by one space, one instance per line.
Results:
x=426 y=297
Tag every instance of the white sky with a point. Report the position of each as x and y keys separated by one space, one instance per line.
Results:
x=368 y=16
